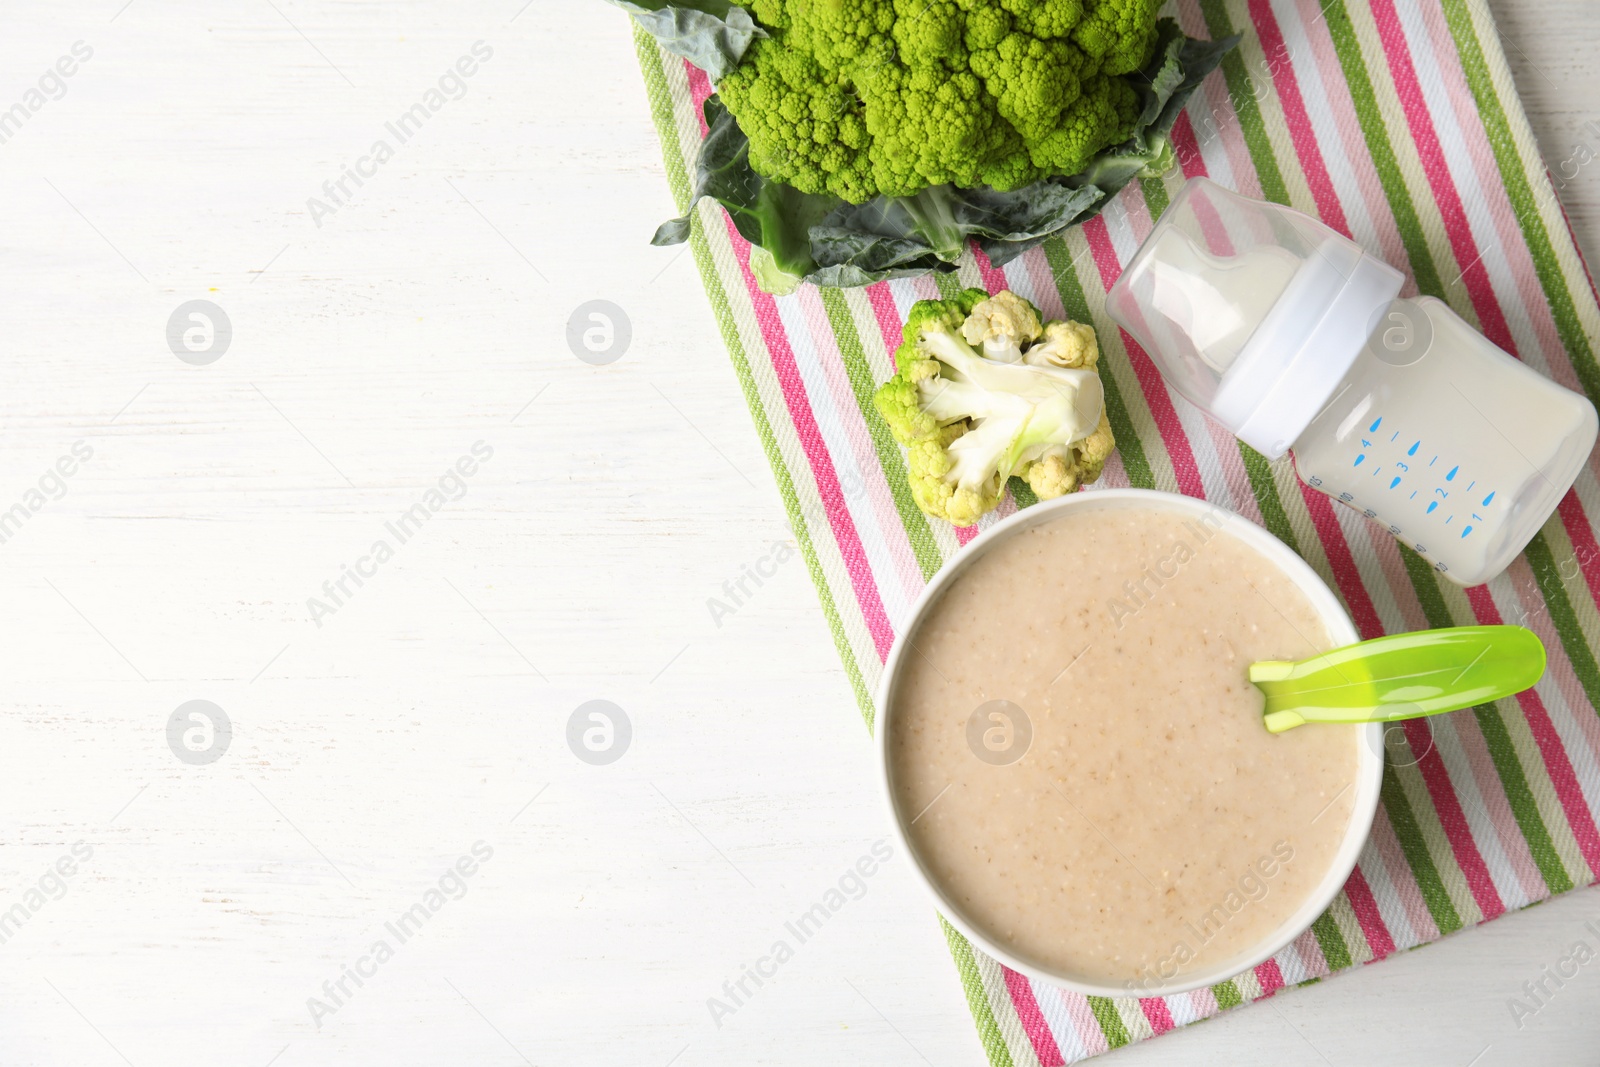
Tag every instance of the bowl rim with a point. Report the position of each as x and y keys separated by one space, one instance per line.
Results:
x=1368 y=778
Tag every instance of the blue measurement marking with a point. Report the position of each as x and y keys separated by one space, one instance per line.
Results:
x=1431 y=505
x=1396 y=434
x=1471 y=484
x=1452 y=475
x=1466 y=531
x=1359 y=458
x=1432 y=461
x=1447 y=521
x=1374 y=427
x=1487 y=499
x=1394 y=483
x=1413 y=449
x=1413 y=495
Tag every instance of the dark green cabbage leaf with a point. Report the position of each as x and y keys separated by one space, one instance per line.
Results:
x=711 y=34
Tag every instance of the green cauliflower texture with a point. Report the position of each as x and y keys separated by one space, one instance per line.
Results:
x=860 y=98
x=984 y=390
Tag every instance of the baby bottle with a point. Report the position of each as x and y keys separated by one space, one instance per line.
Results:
x=1292 y=337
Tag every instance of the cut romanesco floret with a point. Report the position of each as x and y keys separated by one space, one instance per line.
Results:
x=1065 y=344
x=984 y=391
x=1001 y=325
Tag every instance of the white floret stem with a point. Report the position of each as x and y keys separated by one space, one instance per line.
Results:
x=1002 y=350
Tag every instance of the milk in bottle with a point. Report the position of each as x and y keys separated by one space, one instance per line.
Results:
x=1295 y=339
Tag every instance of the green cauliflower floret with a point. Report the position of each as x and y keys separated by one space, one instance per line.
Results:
x=928 y=32
x=929 y=126
x=1045 y=18
x=1120 y=34
x=971 y=421
x=1032 y=80
x=769 y=13
x=839 y=33
x=899 y=400
x=1101 y=116
x=986 y=25
x=1011 y=170
x=935 y=473
x=805 y=127
x=910 y=362
x=949 y=314
x=862 y=98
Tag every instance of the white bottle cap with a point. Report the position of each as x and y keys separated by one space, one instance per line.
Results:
x=1252 y=311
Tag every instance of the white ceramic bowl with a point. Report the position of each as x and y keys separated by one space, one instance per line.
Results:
x=1341 y=630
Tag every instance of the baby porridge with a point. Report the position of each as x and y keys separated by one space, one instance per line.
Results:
x=1081 y=757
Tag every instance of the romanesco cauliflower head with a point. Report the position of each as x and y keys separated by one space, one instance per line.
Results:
x=984 y=391
x=861 y=98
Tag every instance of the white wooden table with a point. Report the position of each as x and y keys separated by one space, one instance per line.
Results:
x=423 y=713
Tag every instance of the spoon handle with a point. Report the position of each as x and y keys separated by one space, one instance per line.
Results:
x=1402 y=676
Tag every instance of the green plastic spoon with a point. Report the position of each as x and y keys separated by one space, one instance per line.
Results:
x=1403 y=676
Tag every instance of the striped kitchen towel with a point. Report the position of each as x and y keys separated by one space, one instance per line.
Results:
x=1396 y=122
